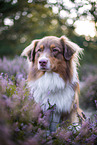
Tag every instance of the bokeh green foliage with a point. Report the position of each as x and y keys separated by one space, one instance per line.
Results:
x=36 y=19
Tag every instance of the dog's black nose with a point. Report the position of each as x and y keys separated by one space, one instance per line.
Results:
x=43 y=62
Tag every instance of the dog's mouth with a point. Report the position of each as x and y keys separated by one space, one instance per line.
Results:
x=44 y=69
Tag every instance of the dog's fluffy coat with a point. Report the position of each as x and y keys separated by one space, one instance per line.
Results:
x=53 y=75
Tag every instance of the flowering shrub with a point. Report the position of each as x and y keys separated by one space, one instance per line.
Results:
x=88 y=96
x=87 y=70
x=17 y=67
x=22 y=122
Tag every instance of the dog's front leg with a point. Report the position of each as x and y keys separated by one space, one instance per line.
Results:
x=54 y=120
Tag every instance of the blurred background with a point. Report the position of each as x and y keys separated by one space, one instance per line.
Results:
x=21 y=21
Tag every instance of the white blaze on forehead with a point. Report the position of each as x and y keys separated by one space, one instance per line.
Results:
x=43 y=57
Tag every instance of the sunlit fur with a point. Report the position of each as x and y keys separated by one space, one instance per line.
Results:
x=59 y=84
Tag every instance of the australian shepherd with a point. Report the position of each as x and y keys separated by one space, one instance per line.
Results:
x=53 y=76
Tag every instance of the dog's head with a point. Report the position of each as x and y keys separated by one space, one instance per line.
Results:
x=52 y=54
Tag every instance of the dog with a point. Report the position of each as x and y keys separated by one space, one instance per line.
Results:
x=53 y=76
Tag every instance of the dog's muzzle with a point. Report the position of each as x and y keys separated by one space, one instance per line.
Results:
x=44 y=63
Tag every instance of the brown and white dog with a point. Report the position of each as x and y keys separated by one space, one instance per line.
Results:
x=53 y=76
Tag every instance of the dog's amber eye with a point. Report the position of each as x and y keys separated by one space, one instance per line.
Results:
x=55 y=50
x=39 y=50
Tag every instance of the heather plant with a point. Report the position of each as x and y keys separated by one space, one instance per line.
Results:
x=88 y=96
x=22 y=121
x=18 y=110
x=15 y=67
x=87 y=70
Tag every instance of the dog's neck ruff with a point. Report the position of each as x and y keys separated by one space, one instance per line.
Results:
x=53 y=88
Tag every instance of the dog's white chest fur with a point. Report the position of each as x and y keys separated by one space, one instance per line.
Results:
x=53 y=88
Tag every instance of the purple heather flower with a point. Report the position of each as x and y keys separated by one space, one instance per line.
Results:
x=17 y=129
x=96 y=103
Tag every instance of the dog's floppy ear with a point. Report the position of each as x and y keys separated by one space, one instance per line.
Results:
x=69 y=48
x=30 y=50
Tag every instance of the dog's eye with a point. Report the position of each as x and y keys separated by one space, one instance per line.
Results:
x=39 y=50
x=55 y=50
